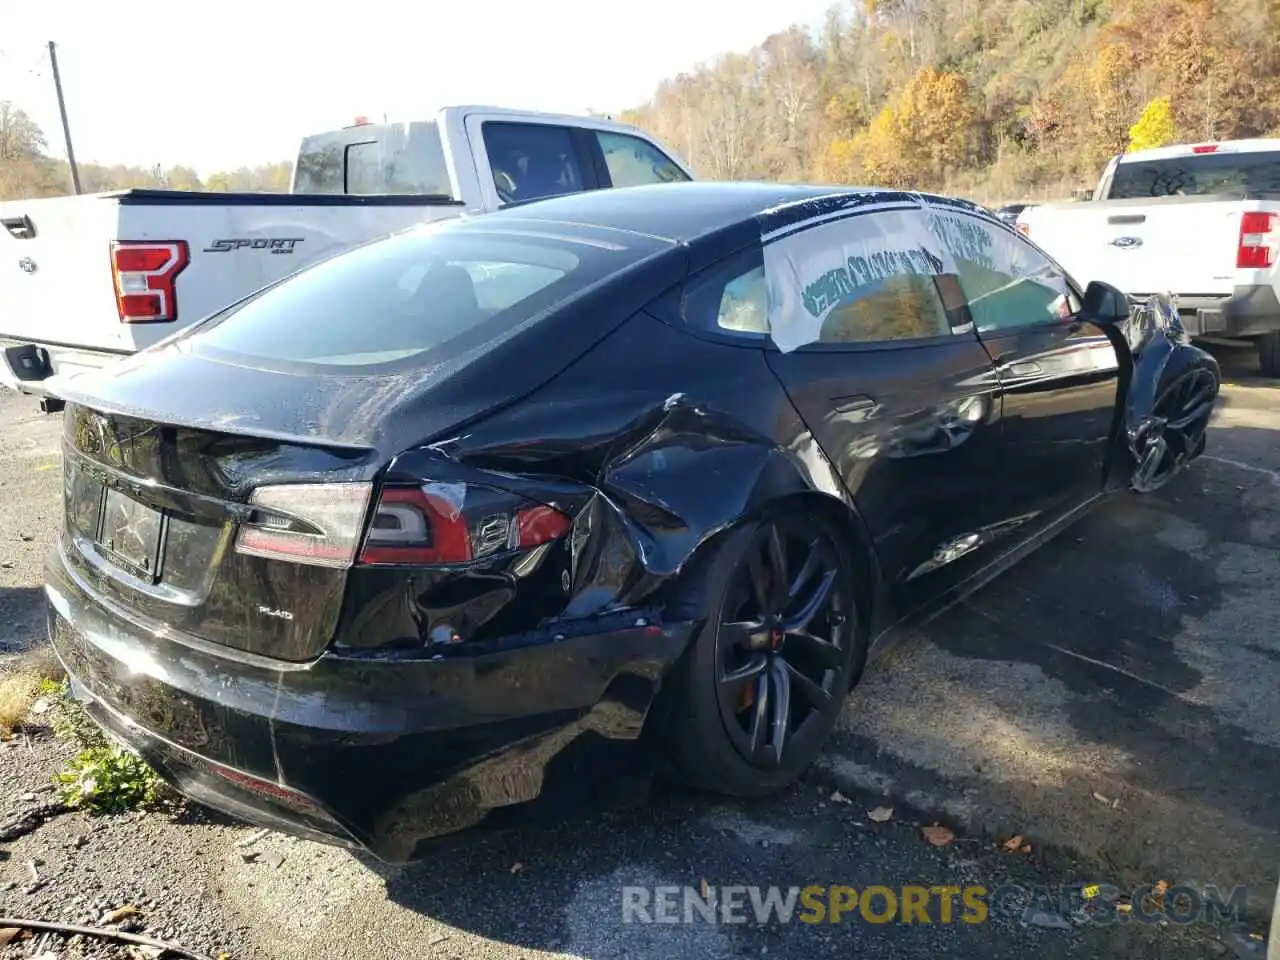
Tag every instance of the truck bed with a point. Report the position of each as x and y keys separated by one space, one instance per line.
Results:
x=61 y=310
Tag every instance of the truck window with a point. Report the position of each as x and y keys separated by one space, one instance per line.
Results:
x=531 y=160
x=400 y=158
x=1243 y=175
x=633 y=162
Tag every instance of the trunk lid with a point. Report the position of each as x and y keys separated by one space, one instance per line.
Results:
x=152 y=511
x=320 y=380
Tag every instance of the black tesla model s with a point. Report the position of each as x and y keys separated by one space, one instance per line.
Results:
x=500 y=516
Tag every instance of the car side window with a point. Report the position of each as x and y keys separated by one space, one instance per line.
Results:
x=633 y=162
x=1007 y=282
x=729 y=298
x=854 y=277
x=531 y=160
x=903 y=307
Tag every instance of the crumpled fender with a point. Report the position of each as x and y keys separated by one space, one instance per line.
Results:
x=648 y=472
x=1159 y=351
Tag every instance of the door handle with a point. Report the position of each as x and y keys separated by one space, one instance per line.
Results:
x=1022 y=368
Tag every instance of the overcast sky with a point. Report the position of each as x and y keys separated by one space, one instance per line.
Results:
x=217 y=85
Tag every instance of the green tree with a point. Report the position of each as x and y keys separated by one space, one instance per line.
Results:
x=1155 y=128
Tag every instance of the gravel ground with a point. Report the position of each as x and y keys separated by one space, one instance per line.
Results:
x=216 y=886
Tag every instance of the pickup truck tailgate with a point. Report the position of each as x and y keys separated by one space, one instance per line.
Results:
x=55 y=272
x=1183 y=246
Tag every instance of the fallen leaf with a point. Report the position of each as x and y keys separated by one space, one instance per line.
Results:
x=517 y=867
x=1012 y=844
x=704 y=888
x=880 y=814
x=838 y=797
x=939 y=836
x=1100 y=798
x=1158 y=890
x=1026 y=848
x=7 y=934
x=120 y=913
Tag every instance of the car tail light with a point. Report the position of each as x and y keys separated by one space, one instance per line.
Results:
x=144 y=274
x=1258 y=240
x=1205 y=148
x=315 y=523
x=449 y=523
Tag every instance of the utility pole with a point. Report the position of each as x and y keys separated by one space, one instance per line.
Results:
x=62 y=109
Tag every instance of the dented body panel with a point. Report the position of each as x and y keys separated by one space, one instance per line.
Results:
x=385 y=704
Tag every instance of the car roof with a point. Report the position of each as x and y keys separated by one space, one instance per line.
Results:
x=677 y=212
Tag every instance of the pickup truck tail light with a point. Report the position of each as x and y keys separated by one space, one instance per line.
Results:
x=430 y=524
x=451 y=523
x=144 y=273
x=1259 y=237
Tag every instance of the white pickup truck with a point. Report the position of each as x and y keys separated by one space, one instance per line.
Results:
x=1200 y=221
x=85 y=280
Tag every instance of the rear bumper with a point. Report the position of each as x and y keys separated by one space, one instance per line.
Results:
x=372 y=752
x=30 y=366
x=1250 y=311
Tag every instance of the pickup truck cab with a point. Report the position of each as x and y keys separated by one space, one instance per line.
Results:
x=86 y=280
x=1199 y=221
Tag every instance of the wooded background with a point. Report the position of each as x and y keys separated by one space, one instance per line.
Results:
x=998 y=100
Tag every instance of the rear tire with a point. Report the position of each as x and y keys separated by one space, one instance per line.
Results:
x=763 y=683
x=1269 y=353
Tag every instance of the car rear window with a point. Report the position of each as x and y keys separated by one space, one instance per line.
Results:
x=1243 y=175
x=440 y=290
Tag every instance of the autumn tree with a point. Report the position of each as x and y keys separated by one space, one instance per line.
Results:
x=935 y=121
x=20 y=137
x=1155 y=127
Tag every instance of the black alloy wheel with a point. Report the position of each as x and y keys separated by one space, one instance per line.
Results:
x=780 y=648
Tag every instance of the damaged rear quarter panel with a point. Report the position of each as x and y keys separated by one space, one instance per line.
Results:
x=653 y=443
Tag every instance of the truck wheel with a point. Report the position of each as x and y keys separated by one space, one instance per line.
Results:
x=1269 y=353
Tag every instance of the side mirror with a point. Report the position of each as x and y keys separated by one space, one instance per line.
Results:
x=1104 y=305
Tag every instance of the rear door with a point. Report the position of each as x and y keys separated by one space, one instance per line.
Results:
x=894 y=386
x=523 y=159
x=1059 y=375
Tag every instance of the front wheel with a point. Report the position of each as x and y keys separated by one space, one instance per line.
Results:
x=765 y=679
x=1269 y=353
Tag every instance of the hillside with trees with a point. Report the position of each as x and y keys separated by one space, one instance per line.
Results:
x=999 y=100
x=27 y=169
x=993 y=99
